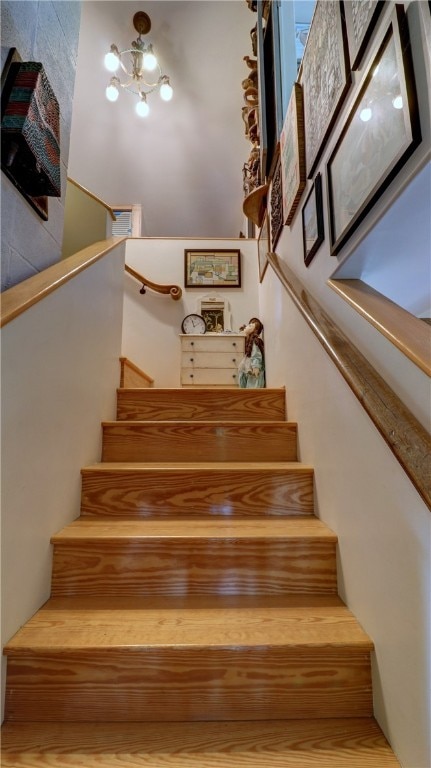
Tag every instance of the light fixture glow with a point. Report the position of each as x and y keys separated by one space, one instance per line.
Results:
x=150 y=62
x=166 y=91
x=112 y=62
x=135 y=62
x=397 y=102
x=112 y=92
x=142 y=108
x=366 y=114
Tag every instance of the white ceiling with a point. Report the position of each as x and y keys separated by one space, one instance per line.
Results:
x=183 y=162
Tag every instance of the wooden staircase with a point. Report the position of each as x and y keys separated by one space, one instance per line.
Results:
x=194 y=617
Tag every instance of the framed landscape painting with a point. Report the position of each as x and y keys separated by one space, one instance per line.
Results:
x=204 y=268
x=381 y=132
x=325 y=62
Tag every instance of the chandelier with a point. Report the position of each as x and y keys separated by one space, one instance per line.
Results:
x=143 y=74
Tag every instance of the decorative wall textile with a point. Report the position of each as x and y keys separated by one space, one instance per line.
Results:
x=31 y=130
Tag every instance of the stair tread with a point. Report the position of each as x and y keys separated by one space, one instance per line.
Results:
x=116 y=529
x=198 y=425
x=110 y=623
x=142 y=466
x=191 y=393
x=325 y=743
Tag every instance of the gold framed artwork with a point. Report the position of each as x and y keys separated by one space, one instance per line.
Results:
x=292 y=155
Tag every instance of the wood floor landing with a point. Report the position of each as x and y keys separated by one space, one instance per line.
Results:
x=353 y=743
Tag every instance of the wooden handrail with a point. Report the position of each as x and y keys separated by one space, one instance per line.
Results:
x=407 y=438
x=94 y=197
x=173 y=290
x=407 y=332
x=24 y=295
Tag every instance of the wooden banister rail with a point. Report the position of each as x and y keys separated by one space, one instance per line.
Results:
x=407 y=438
x=93 y=197
x=24 y=295
x=173 y=290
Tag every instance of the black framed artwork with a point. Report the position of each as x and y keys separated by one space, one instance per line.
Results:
x=381 y=132
x=313 y=232
x=263 y=247
x=217 y=268
x=361 y=19
x=325 y=62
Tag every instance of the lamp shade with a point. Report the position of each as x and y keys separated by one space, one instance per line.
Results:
x=31 y=130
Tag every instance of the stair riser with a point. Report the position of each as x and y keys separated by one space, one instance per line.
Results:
x=190 y=684
x=259 y=405
x=158 y=493
x=194 y=442
x=187 y=567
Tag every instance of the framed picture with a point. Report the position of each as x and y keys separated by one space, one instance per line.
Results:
x=361 y=18
x=325 y=61
x=204 y=268
x=275 y=206
x=381 y=132
x=263 y=247
x=292 y=155
x=313 y=233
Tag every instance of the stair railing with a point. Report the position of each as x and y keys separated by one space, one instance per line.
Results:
x=173 y=290
x=406 y=437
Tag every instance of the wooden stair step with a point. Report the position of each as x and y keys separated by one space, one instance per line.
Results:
x=96 y=556
x=199 y=441
x=130 y=659
x=202 y=404
x=326 y=743
x=207 y=488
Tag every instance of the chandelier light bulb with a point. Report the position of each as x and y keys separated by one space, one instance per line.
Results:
x=150 y=62
x=142 y=108
x=112 y=92
x=166 y=92
x=112 y=62
x=397 y=102
x=366 y=114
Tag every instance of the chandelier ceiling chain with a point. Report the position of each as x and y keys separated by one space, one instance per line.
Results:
x=143 y=73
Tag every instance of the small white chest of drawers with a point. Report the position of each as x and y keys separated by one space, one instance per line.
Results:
x=211 y=359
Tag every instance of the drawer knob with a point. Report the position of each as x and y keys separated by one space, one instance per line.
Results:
x=191 y=375
x=191 y=359
x=234 y=359
x=234 y=375
x=192 y=343
x=234 y=343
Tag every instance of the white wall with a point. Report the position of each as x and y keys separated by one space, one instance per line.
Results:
x=383 y=526
x=152 y=322
x=60 y=370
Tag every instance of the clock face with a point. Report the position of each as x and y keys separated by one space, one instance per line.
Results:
x=193 y=324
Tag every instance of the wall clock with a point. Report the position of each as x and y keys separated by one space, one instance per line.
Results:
x=193 y=324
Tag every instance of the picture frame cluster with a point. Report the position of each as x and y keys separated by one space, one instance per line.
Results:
x=375 y=138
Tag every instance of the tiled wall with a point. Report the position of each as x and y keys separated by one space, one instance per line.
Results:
x=48 y=32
